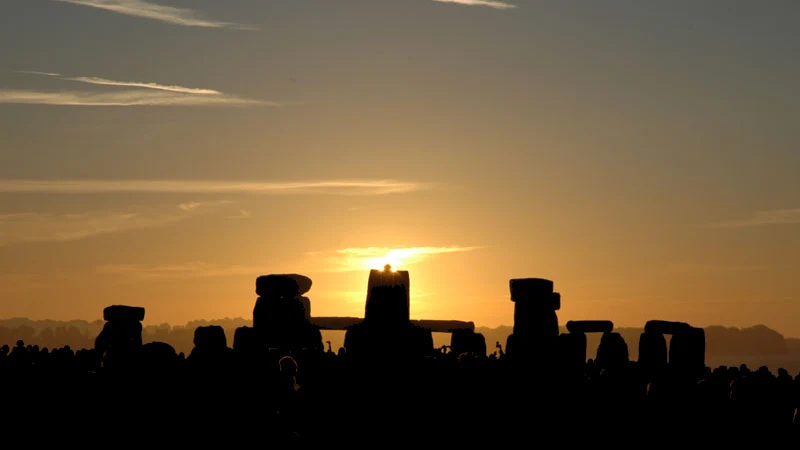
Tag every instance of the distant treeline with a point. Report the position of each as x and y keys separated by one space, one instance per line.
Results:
x=721 y=342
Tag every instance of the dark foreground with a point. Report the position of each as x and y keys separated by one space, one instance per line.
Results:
x=231 y=397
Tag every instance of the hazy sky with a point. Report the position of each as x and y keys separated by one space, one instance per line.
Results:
x=642 y=154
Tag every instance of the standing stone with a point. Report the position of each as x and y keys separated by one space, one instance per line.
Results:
x=467 y=341
x=572 y=351
x=388 y=296
x=653 y=357
x=121 y=337
x=386 y=335
x=612 y=352
x=687 y=351
x=572 y=345
x=535 y=333
x=280 y=319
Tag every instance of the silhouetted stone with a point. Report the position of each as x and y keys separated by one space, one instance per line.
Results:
x=687 y=351
x=697 y=350
x=369 y=344
x=653 y=356
x=665 y=327
x=211 y=354
x=590 y=326
x=159 y=350
x=306 y=303
x=212 y=336
x=612 y=352
x=534 y=307
x=527 y=288
x=467 y=341
x=386 y=335
x=572 y=350
x=277 y=286
x=280 y=318
x=121 y=337
x=123 y=313
x=159 y=357
x=244 y=339
x=575 y=342
x=435 y=326
x=535 y=334
x=388 y=296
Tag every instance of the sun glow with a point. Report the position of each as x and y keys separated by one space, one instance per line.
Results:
x=376 y=258
x=395 y=258
x=381 y=263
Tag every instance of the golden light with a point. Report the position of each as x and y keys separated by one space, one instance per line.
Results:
x=381 y=262
x=395 y=258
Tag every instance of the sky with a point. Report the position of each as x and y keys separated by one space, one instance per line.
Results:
x=162 y=153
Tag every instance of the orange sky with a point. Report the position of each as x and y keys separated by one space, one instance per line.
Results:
x=642 y=157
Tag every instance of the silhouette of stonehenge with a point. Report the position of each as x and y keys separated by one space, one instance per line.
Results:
x=282 y=322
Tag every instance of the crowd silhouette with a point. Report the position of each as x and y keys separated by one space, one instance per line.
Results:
x=278 y=380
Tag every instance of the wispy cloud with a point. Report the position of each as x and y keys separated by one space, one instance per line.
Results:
x=711 y=268
x=146 y=85
x=52 y=227
x=192 y=206
x=143 y=94
x=360 y=259
x=124 y=98
x=156 y=86
x=325 y=187
x=178 y=271
x=243 y=214
x=39 y=227
x=139 y=8
x=763 y=218
x=487 y=3
x=34 y=72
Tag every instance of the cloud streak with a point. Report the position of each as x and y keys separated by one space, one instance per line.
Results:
x=18 y=228
x=38 y=227
x=34 y=72
x=124 y=98
x=192 y=206
x=333 y=187
x=710 y=268
x=487 y=3
x=144 y=94
x=156 y=86
x=147 y=10
x=764 y=218
x=366 y=258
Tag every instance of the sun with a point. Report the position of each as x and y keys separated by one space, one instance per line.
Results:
x=397 y=257
x=380 y=263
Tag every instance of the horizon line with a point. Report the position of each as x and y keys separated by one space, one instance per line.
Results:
x=9 y=319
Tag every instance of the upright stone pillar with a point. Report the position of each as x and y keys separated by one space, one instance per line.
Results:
x=280 y=318
x=534 y=338
x=121 y=337
x=573 y=344
x=686 y=349
x=467 y=341
x=386 y=335
x=653 y=357
x=612 y=354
